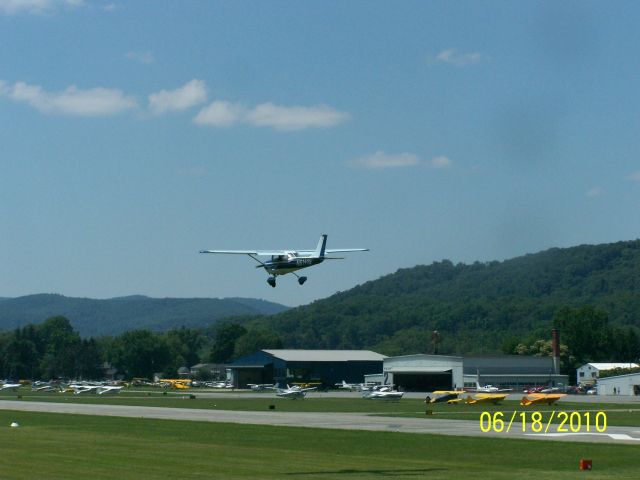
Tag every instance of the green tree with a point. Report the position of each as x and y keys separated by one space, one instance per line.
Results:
x=256 y=339
x=225 y=342
x=21 y=355
x=184 y=346
x=140 y=353
x=60 y=346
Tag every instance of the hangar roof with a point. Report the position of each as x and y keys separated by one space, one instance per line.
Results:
x=326 y=355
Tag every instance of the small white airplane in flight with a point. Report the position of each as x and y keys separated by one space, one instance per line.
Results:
x=288 y=261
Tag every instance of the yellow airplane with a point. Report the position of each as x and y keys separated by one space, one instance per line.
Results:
x=537 y=398
x=448 y=396
x=486 y=398
x=179 y=383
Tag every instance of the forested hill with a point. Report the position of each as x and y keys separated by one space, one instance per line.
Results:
x=95 y=318
x=476 y=308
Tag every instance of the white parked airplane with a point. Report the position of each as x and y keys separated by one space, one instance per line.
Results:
x=350 y=386
x=490 y=389
x=383 y=392
x=260 y=386
x=108 y=389
x=294 y=392
x=79 y=389
x=289 y=261
x=10 y=386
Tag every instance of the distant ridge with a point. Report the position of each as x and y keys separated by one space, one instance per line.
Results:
x=475 y=308
x=91 y=317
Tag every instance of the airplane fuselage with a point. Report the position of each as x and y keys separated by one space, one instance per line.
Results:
x=282 y=266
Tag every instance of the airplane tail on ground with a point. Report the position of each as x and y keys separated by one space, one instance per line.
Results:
x=322 y=244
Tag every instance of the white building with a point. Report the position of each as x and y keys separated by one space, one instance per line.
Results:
x=620 y=385
x=588 y=373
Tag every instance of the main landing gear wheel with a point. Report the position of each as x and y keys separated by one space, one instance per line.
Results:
x=272 y=281
x=301 y=280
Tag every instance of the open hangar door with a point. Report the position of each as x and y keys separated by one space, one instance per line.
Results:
x=423 y=381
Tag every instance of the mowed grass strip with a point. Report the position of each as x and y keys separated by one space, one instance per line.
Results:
x=58 y=446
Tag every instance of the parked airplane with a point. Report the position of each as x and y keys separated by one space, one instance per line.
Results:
x=294 y=392
x=489 y=389
x=350 y=386
x=289 y=261
x=79 y=389
x=108 y=389
x=10 y=386
x=260 y=386
x=494 y=398
x=383 y=392
x=441 y=396
x=178 y=383
x=537 y=398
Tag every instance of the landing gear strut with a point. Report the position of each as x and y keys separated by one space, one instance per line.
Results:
x=301 y=280
x=272 y=281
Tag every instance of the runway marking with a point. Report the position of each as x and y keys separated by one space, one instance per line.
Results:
x=613 y=436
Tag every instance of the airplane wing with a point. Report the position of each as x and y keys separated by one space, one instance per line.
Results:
x=261 y=253
x=333 y=250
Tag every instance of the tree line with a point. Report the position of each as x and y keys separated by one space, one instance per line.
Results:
x=54 y=350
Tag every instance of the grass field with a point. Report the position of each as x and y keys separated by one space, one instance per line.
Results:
x=617 y=414
x=57 y=446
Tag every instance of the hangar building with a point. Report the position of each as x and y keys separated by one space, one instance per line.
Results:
x=423 y=373
x=440 y=372
x=512 y=371
x=628 y=384
x=327 y=367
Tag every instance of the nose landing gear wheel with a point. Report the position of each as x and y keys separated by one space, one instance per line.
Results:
x=301 y=280
x=272 y=281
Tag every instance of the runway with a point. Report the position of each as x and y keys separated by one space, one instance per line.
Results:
x=344 y=421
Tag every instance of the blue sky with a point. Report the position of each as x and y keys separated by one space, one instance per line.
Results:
x=133 y=134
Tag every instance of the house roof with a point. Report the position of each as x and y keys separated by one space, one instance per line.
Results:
x=611 y=366
x=326 y=355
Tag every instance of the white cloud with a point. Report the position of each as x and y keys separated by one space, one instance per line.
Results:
x=11 y=7
x=440 y=162
x=295 y=118
x=190 y=94
x=381 y=160
x=456 y=59
x=141 y=57
x=225 y=114
x=220 y=114
x=72 y=101
x=594 y=192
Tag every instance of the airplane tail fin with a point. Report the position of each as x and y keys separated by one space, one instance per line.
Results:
x=322 y=244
